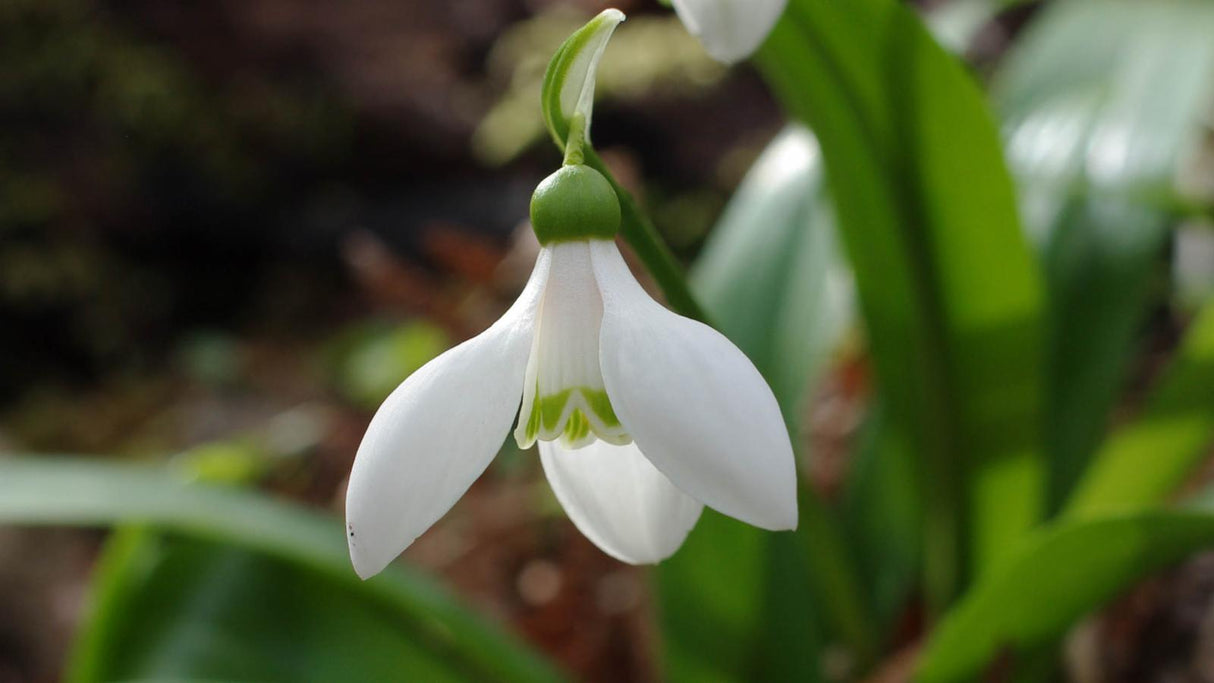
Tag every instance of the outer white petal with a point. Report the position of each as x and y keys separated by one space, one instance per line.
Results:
x=617 y=499
x=693 y=403
x=730 y=29
x=436 y=434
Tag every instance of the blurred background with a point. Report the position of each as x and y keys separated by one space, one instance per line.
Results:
x=228 y=229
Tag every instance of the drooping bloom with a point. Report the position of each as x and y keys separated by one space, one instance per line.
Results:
x=730 y=30
x=642 y=416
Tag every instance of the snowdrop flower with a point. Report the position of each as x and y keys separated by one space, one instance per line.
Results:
x=642 y=416
x=729 y=29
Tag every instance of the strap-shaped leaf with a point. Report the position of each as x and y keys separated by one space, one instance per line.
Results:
x=1147 y=459
x=950 y=293
x=1066 y=572
x=1102 y=103
x=77 y=492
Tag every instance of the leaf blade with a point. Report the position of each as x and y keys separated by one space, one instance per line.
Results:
x=950 y=294
x=1064 y=572
x=76 y=492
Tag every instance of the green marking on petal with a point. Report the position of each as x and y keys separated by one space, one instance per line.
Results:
x=532 y=430
x=577 y=431
x=601 y=405
x=552 y=417
x=550 y=409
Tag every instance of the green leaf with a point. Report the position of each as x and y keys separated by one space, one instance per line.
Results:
x=883 y=515
x=1148 y=459
x=1102 y=100
x=948 y=288
x=177 y=609
x=51 y=491
x=1062 y=574
x=714 y=604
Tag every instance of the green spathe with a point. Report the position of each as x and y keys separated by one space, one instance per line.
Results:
x=575 y=203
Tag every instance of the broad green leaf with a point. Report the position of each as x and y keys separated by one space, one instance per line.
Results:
x=178 y=609
x=60 y=491
x=1101 y=102
x=948 y=288
x=1146 y=460
x=1058 y=577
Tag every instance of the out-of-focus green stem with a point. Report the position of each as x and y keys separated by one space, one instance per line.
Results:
x=835 y=580
x=575 y=143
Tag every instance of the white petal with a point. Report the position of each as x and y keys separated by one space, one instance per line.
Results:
x=437 y=433
x=619 y=501
x=564 y=365
x=693 y=403
x=730 y=29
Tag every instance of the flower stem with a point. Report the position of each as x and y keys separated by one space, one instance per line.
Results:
x=834 y=577
x=575 y=141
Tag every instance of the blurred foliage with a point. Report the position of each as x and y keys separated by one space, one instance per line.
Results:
x=906 y=99
x=193 y=595
x=370 y=359
x=181 y=609
x=1104 y=105
x=1063 y=574
x=1172 y=433
x=952 y=313
x=771 y=274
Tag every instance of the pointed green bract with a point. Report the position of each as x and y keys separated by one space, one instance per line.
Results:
x=569 y=81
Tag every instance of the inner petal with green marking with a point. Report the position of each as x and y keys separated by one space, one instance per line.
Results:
x=574 y=416
x=564 y=398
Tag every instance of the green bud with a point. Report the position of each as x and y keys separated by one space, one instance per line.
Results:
x=575 y=203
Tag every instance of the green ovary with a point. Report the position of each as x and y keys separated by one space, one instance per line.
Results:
x=575 y=416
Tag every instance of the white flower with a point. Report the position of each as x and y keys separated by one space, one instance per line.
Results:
x=730 y=29
x=642 y=417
